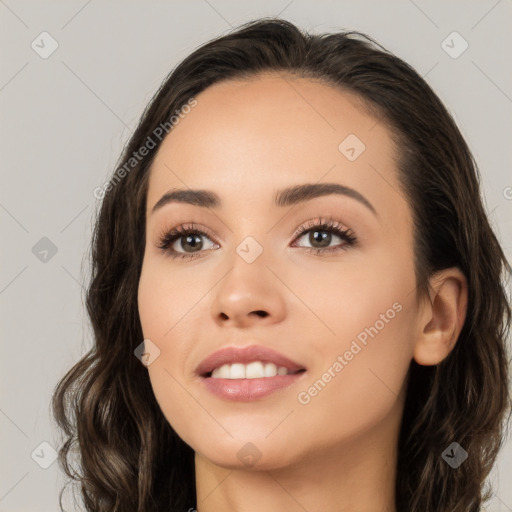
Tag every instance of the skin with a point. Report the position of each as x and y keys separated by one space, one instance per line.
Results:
x=244 y=140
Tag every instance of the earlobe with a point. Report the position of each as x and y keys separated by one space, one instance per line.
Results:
x=442 y=318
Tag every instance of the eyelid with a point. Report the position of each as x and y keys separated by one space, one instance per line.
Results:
x=187 y=226
x=318 y=222
x=168 y=237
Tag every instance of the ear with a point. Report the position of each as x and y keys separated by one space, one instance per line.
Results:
x=442 y=317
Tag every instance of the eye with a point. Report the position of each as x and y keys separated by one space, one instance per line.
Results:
x=188 y=237
x=321 y=236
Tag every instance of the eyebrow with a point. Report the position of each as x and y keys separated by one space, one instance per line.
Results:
x=286 y=197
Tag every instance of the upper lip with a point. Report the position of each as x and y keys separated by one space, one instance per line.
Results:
x=245 y=355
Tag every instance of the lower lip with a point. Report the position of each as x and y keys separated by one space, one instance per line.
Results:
x=247 y=390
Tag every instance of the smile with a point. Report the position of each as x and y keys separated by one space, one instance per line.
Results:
x=254 y=370
x=248 y=373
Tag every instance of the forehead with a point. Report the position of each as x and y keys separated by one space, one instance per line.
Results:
x=247 y=138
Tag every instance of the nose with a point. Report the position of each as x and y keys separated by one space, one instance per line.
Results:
x=249 y=295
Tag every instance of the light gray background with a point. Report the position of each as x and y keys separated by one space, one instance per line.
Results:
x=66 y=118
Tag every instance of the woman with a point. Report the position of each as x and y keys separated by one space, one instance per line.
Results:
x=296 y=293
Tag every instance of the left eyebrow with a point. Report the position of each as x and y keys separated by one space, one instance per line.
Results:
x=300 y=193
x=285 y=197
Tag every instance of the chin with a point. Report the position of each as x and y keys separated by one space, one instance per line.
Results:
x=252 y=453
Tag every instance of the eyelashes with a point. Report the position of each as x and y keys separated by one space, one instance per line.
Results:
x=184 y=231
x=192 y=234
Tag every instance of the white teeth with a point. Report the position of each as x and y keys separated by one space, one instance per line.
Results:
x=237 y=371
x=223 y=372
x=270 y=370
x=254 y=370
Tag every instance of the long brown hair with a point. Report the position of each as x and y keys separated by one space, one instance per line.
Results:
x=128 y=456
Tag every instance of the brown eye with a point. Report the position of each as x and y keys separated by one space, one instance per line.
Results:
x=183 y=242
x=321 y=236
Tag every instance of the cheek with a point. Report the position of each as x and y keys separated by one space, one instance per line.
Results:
x=170 y=310
x=365 y=296
x=362 y=360
x=182 y=412
x=170 y=307
x=167 y=299
x=359 y=383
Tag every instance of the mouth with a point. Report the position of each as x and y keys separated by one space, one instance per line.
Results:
x=253 y=370
x=248 y=373
x=250 y=362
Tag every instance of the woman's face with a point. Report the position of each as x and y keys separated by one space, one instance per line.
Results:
x=337 y=311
